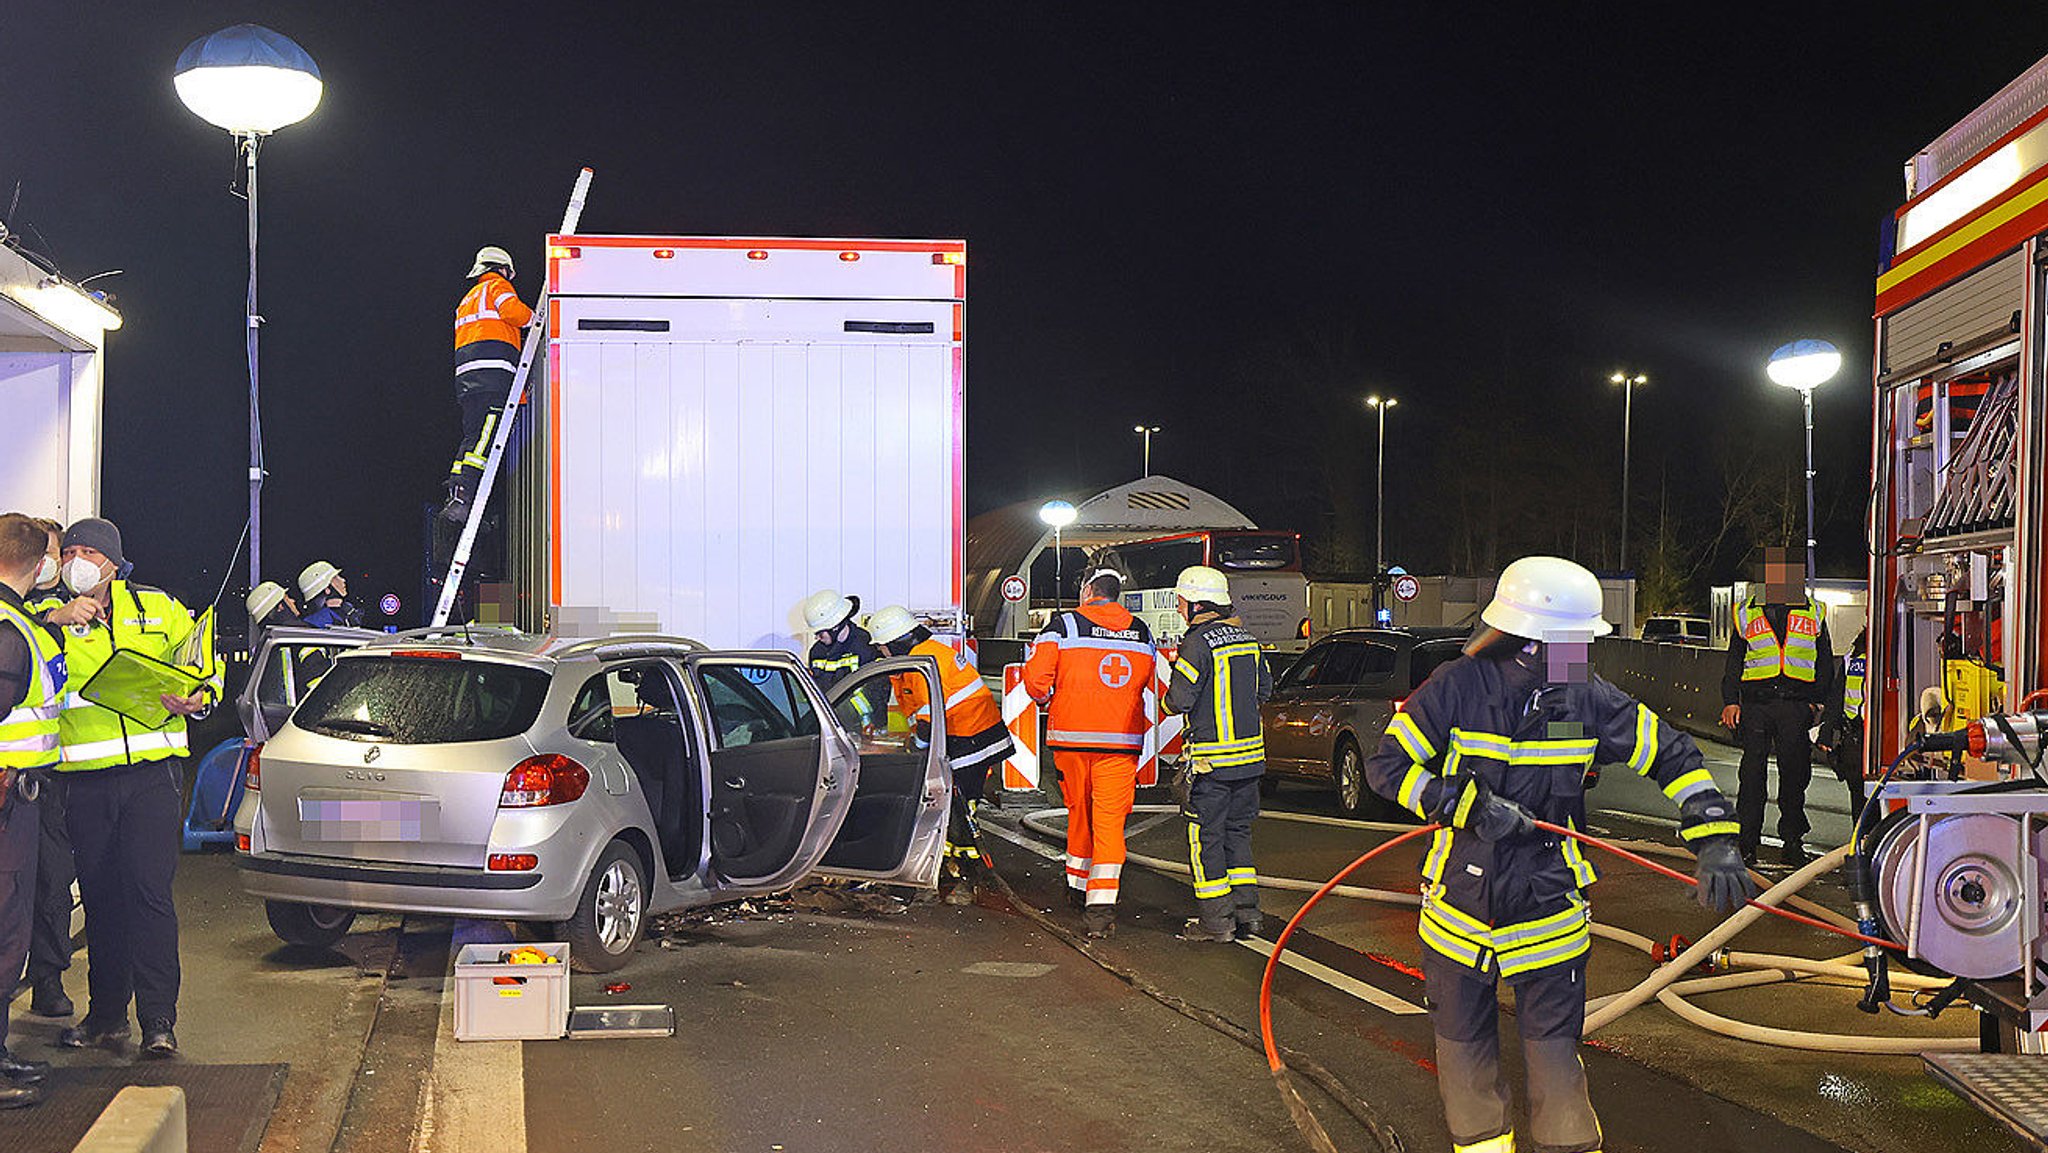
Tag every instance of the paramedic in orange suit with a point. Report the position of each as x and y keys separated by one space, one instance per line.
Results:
x=1092 y=666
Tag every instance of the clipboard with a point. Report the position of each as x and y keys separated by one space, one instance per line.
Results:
x=130 y=683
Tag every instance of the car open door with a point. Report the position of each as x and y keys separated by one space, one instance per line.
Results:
x=782 y=773
x=289 y=661
x=896 y=830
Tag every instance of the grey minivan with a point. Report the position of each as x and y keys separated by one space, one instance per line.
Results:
x=585 y=785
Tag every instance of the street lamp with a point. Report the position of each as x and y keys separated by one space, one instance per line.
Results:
x=1806 y=365
x=1146 y=431
x=1628 y=382
x=1059 y=514
x=1379 y=498
x=250 y=81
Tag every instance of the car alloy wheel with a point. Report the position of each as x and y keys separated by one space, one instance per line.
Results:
x=1350 y=779
x=618 y=907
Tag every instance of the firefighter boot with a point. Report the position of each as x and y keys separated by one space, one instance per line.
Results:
x=1100 y=920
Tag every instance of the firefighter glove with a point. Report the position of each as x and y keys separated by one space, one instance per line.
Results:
x=1725 y=884
x=1183 y=789
x=1486 y=816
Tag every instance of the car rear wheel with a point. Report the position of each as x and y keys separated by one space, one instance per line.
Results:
x=1349 y=772
x=316 y=926
x=612 y=914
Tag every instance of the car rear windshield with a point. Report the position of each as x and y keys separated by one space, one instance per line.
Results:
x=418 y=701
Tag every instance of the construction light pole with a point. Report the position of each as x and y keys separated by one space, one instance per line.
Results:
x=1059 y=514
x=1380 y=406
x=1806 y=365
x=1146 y=431
x=1628 y=382
x=250 y=81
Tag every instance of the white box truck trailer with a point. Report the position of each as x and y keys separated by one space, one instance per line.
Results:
x=723 y=425
x=52 y=333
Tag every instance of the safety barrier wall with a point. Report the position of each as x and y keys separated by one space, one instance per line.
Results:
x=1680 y=683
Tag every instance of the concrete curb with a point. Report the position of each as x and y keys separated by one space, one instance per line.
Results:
x=140 y=1119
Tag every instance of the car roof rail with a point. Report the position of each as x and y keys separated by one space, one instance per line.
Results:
x=474 y=636
x=626 y=645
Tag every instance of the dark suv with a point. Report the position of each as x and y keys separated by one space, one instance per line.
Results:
x=1332 y=705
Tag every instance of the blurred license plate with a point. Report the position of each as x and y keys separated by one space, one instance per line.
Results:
x=322 y=819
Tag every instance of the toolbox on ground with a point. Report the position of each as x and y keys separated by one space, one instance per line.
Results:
x=497 y=1000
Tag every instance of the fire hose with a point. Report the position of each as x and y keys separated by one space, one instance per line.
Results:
x=1664 y=984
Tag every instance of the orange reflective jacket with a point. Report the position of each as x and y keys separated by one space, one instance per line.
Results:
x=490 y=310
x=970 y=708
x=1094 y=663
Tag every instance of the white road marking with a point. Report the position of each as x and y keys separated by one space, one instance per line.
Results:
x=1370 y=994
x=1343 y=982
x=474 y=1096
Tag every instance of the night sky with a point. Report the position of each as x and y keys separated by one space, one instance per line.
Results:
x=1232 y=221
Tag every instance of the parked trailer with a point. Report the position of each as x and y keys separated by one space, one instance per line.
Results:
x=724 y=425
x=52 y=341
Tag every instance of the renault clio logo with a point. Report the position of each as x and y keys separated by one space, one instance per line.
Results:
x=371 y=754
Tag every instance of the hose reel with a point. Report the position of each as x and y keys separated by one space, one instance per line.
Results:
x=1962 y=890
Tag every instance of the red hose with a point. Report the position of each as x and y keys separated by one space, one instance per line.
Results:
x=1280 y=943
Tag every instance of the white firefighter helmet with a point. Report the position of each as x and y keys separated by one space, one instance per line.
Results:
x=1542 y=598
x=1199 y=582
x=826 y=609
x=891 y=624
x=315 y=577
x=264 y=599
x=488 y=255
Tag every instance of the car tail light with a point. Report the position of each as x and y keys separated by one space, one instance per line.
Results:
x=252 y=777
x=548 y=779
x=242 y=842
x=428 y=654
x=512 y=862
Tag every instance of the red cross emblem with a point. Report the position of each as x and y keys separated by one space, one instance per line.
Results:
x=1115 y=670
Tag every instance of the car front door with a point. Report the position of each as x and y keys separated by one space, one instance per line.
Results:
x=1283 y=714
x=782 y=775
x=896 y=829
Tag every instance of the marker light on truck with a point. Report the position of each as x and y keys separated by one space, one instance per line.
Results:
x=949 y=258
x=563 y=252
x=664 y=254
x=849 y=257
x=757 y=254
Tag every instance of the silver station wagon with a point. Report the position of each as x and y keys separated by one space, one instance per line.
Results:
x=584 y=785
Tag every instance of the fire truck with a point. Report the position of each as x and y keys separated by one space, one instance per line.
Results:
x=1954 y=864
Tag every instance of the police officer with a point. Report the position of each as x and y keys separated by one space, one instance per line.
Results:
x=121 y=782
x=838 y=645
x=1091 y=668
x=1490 y=742
x=49 y=946
x=976 y=738
x=1219 y=681
x=31 y=692
x=1841 y=729
x=1773 y=688
x=324 y=592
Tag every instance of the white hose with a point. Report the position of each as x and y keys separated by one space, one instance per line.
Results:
x=1663 y=983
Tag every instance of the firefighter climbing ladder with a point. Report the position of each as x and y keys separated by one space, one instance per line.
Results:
x=452 y=586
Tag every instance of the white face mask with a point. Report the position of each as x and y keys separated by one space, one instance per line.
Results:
x=46 y=572
x=81 y=575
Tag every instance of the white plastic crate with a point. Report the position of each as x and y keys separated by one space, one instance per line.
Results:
x=536 y=1008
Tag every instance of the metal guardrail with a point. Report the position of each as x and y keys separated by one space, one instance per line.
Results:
x=1680 y=683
